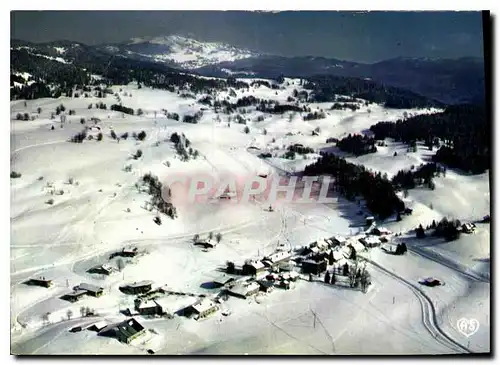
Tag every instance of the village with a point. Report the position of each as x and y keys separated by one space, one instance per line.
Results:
x=336 y=261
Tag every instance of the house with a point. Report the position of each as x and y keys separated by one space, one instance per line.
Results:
x=278 y=257
x=75 y=295
x=253 y=267
x=313 y=267
x=104 y=269
x=98 y=326
x=129 y=252
x=207 y=243
x=381 y=231
x=370 y=241
x=468 y=227
x=148 y=307
x=244 y=290
x=92 y=290
x=338 y=240
x=203 y=308
x=126 y=331
x=369 y=220
x=265 y=286
x=41 y=281
x=140 y=287
x=223 y=280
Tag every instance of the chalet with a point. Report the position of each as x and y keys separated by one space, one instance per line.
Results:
x=75 y=295
x=244 y=290
x=279 y=256
x=129 y=252
x=203 y=308
x=98 y=326
x=41 y=281
x=148 y=307
x=370 y=241
x=104 y=269
x=313 y=267
x=126 y=331
x=223 y=280
x=381 y=231
x=92 y=290
x=140 y=287
x=253 y=267
x=265 y=286
x=207 y=243
x=468 y=227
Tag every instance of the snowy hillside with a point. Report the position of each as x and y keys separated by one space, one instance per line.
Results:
x=75 y=207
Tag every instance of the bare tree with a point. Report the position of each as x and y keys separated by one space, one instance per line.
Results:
x=69 y=314
x=82 y=311
x=218 y=237
x=210 y=235
x=196 y=237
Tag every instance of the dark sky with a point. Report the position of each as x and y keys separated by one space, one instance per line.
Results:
x=362 y=37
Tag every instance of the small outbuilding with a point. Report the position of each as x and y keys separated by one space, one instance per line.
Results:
x=93 y=290
x=41 y=281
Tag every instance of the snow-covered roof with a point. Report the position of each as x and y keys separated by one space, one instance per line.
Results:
x=358 y=246
x=383 y=230
x=223 y=279
x=148 y=304
x=337 y=255
x=107 y=267
x=339 y=239
x=370 y=240
x=278 y=256
x=140 y=283
x=99 y=325
x=204 y=305
x=77 y=293
x=90 y=287
x=244 y=289
x=256 y=264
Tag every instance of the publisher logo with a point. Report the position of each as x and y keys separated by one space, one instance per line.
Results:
x=467 y=327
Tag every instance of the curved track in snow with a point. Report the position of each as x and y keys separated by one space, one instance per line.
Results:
x=450 y=264
x=429 y=318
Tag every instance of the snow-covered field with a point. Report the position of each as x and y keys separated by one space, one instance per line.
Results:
x=101 y=211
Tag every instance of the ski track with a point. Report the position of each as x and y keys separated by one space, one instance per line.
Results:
x=429 y=318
